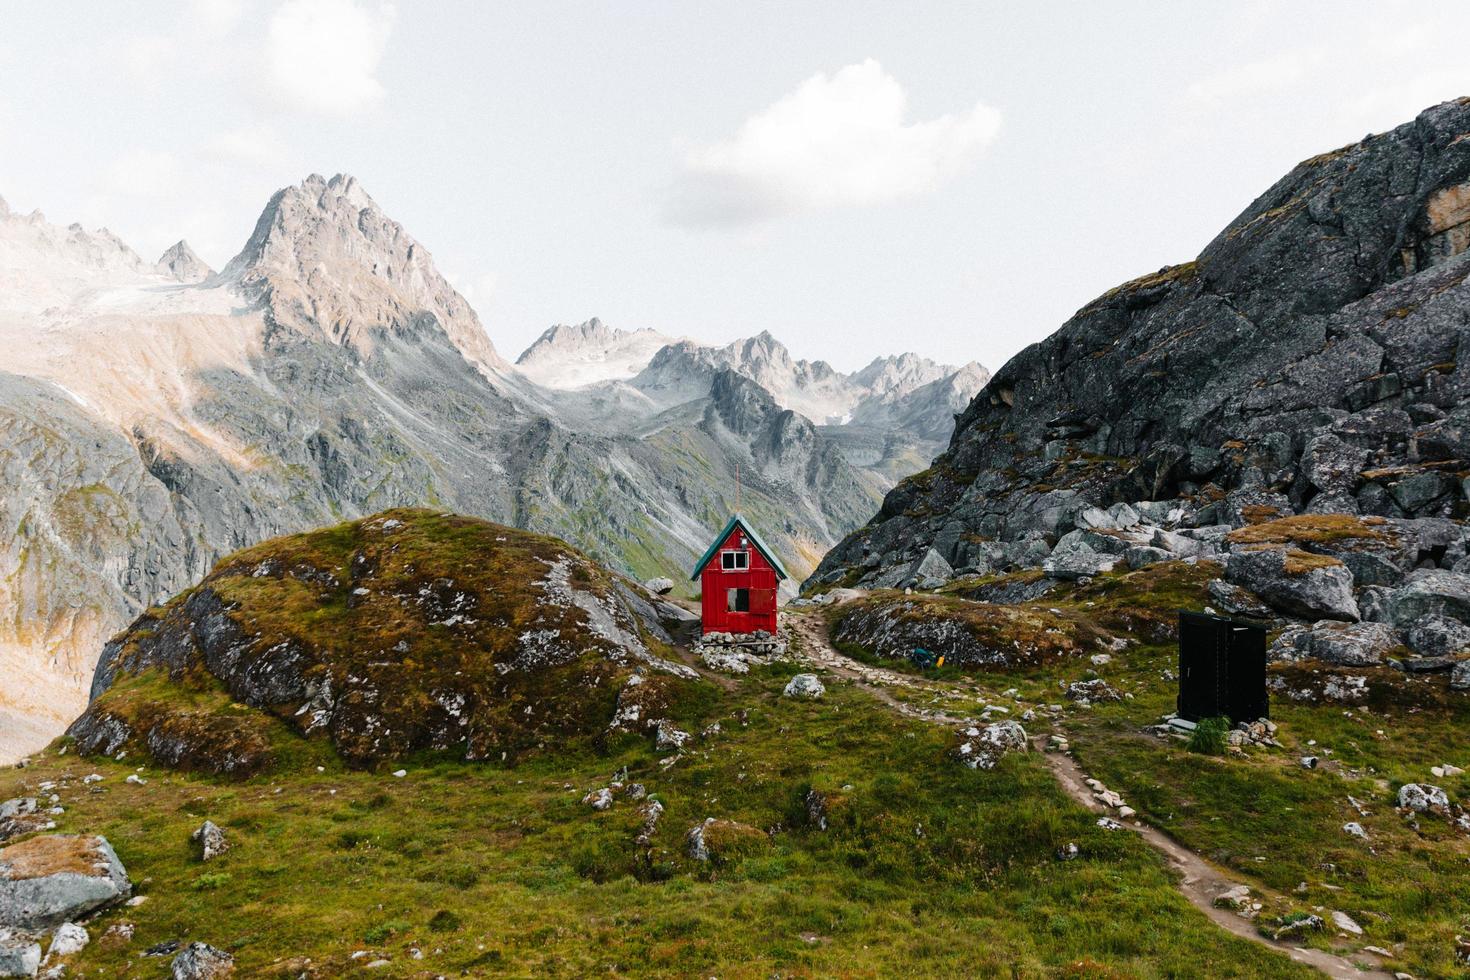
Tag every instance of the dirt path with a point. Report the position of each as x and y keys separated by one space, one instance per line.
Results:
x=1199 y=881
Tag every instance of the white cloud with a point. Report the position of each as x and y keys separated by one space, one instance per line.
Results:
x=323 y=55
x=836 y=141
x=1256 y=77
x=143 y=172
x=250 y=146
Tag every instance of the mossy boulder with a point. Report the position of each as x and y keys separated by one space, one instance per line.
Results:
x=403 y=632
x=965 y=633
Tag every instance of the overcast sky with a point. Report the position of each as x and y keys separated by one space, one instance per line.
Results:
x=954 y=179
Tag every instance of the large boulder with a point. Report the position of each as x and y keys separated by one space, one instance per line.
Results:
x=1430 y=592
x=1079 y=564
x=1348 y=644
x=1235 y=600
x=1296 y=582
x=1437 y=636
x=56 y=878
x=931 y=571
x=659 y=586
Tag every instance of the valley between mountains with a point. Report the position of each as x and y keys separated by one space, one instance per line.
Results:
x=374 y=684
x=155 y=417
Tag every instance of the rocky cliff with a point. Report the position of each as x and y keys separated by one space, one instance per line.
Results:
x=1307 y=361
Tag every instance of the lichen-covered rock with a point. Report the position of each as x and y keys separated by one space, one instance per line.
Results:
x=201 y=961
x=68 y=940
x=723 y=841
x=659 y=586
x=1424 y=798
x=1430 y=592
x=48 y=880
x=1092 y=690
x=22 y=816
x=982 y=748
x=1079 y=564
x=1348 y=644
x=1296 y=582
x=966 y=634
x=20 y=954
x=805 y=686
x=209 y=840
x=1235 y=600
x=1460 y=676
x=1437 y=636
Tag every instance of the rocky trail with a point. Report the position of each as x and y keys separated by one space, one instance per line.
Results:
x=1198 y=880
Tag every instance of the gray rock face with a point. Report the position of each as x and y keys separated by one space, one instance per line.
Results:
x=1302 y=588
x=201 y=961
x=45 y=881
x=1286 y=366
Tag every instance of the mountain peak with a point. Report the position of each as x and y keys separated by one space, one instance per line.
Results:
x=180 y=262
x=326 y=260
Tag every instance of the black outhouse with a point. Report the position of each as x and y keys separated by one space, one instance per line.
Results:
x=1222 y=668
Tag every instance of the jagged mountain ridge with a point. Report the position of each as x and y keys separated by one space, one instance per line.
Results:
x=1308 y=360
x=149 y=425
x=670 y=370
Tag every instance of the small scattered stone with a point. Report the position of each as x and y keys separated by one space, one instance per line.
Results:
x=1345 y=922
x=201 y=961
x=68 y=940
x=805 y=686
x=210 y=840
x=1308 y=762
x=20 y=955
x=1355 y=829
x=599 y=799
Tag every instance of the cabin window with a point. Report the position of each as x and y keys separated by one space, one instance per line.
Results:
x=738 y=600
x=735 y=561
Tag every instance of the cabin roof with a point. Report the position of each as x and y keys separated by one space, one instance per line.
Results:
x=755 y=539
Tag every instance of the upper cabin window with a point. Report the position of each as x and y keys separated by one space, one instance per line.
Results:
x=734 y=561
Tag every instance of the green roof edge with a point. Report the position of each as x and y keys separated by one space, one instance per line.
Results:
x=755 y=539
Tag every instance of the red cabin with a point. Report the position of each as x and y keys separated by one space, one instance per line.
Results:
x=738 y=577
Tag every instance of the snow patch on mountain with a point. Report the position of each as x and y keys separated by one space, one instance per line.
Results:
x=570 y=357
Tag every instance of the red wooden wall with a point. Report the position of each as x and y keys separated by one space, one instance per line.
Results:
x=715 y=583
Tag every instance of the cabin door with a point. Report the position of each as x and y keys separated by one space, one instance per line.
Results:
x=762 y=601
